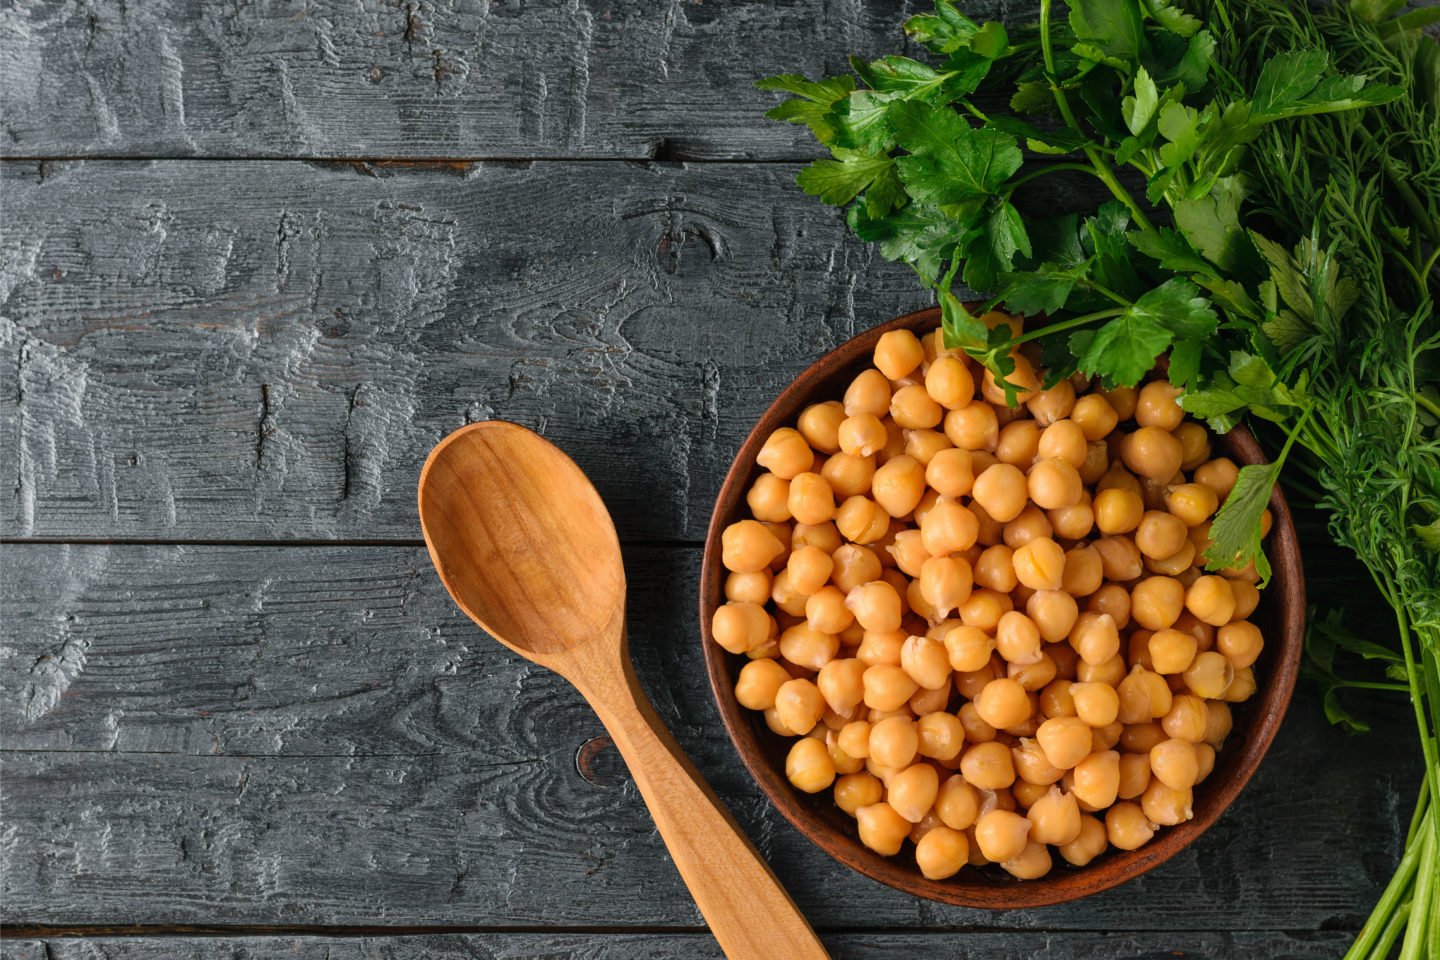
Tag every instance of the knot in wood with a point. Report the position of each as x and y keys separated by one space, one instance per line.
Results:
x=600 y=763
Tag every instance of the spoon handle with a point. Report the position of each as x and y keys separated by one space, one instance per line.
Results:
x=746 y=908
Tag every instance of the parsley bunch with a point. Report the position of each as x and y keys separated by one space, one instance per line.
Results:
x=1281 y=253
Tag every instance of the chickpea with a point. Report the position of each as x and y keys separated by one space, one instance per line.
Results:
x=1053 y=613
x=913 y=409
x=1118 y=478
x=1134 y=775
x=941 y=852
x=881 y=828
x=1054 y=484
x=898 y=485
x=876 y=606
x=912 y=792
x=1118 y=510
x=740 y=627
x=847 y=474
x=950 y=383
x=1151 y=452
x=1065 y=740
x=863 y=435
x=881 y=648
x=868 y=394
x=854 y=565
x=1211 y=599
x=1097 y=462
x=1095 y=637
x=898 y=353
x=1001 y=834
x=1097 y=704
x=973 y=427
x=1040 y=564
x=1127 y=827
x=856 y=790
x=1054 y=818
x=785 y=454
x=948 y=528
x=1001 y=490
x=925 y=660
x=822 y=535
x=746 y=546
x=841 y=683
x=1192 y=503
x=968 y=648
x=808 y=766
x=751 y=587
x=1172 y=651
x=1075 y=521
x=987 y=765
x=940 y=735
x=1120 y=559
x=1165 y=805
x=819 y=425
x=1057 y=699
x=1048 y=406
x=1219 y=475
x=854 y=739
x=1240 y=642
x=1032 y=765
x=957 y=804
x=1094 y=416
x=1032 y=863
x=976 y=730
x=1242 y=688
x=1186 y=718
x=1175 y=764
x=893 y=741
x=799 y=705
x=768 y=498
x=1065 y=441
x=861 y=520
x=758 y=683
x=1160 y=534
x=1156 y=602
x=1003 y=703
x=984 y=608
x=995 y=569
x=785 y=596
x=808 y=648
x=809 y=569
x=923 y=445
x=1034 y=676
x=1113 y=599
x=826 y=612
x=1247 y=598
x=1209 y=675
x=1096 y=779
x=777 y=727
x=1122 y=400
x=811 y=500
x=924 y=701
x=1088 y=844
x=1018 y=443
x=1156 y=406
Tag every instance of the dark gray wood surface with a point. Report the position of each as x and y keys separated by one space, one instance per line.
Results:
x=254 y=260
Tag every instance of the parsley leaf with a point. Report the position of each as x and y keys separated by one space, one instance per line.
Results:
x=1139 y=109
x=1235 y=532
x=837 y=182
x=1111 y=27
x=1126 y=348
x=950 y=161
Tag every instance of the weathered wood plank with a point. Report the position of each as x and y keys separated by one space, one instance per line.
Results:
x=311 y=735
x=268 y=350
x=424 y=78
x=669 y=946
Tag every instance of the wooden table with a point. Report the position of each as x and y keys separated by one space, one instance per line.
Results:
x=257 y=258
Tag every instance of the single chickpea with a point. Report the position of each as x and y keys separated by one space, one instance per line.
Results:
x=808 y=766
x=976 y=729
x=913 y=409
x=1001 y=490
x=894 y=742
x=1054 y=818
x=1175 y=763
x=785 y=454
x=799 y=706
x=1160 y=534
x=881 y=828
x=1095 y=637
x=1240 y=642
x=1054 y=484
x=751 y=587
x=1087 y=845
x=941 y=852
x=847 y=474
x=819 y=425
x=945 y=583
x=940 y=734
x=1157 y=406
x=1017 y=638
x=1094 y=416
x=1053 y=612
x=841 y=683
x=1117 y=477
x=809 y=568
x=808 y=648
x=1114 y=599
x=1019 y=442
x=1097 y=462
x=888 y=687
x=1192 y=503
x=912 y=792
x=973 y=427
x=1211 y=600
x=1172 y=651
x=1152 y=452
x=856 y=790
x=898 y=485
x=1219 y=475
x=1111 y=671
x=1074 y=522
x=1040 y=564
x=740 y=627
x=984 y=609
x=1127 y=827
x=768 y=498
x=1120 y=559
x=1247 y=598
x=1032 y=863
x=1001 y=834
x=1118 y=510
x=1084 y=572
x=881 y=648
x=1218 y=722
x=948 y=527
x=876 y=606
x=968 y=648
x=1003 y=703
x=950 y=383
x=1065 y=740
x=1134 y=775
x=854 y=739
x=1165 y=805
x=988 y=765
x=1209 y=675
x=995 y=568
x=758 y=683
x=924 y=444
x=854 y=565
x=746 y=546
x=862 y=520
x=924 y=701
x=1032 y=765
x=868 y=394
x=1096 y=779
x=785 y=596
x=898 y=353
x=1122 y=400
x=1186 y=718
x=958 y=803
x=926 y=661
x=1242 y=688
x=1057 y=700
x=862 y=435
x=1097 y=704
x=1156 y=602
x=826 y=612
x=1137 y=696
x=1065 y=441
x=1048 y=406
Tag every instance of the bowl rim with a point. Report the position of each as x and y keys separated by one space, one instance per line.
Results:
x=974 y=888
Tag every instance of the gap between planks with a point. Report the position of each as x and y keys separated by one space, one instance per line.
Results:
x=404 y=542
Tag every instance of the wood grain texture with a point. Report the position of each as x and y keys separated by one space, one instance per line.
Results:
x=268 y=350
x=314 y=735
x=424 y=78
x=670 y=946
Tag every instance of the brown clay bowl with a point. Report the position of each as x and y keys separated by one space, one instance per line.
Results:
x=1281 y=616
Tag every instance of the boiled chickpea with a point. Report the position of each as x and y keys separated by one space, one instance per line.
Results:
x=1186 y=718
x=924 y=444
x=957 y=804
x=1094 y=416
x=950 y=383
x=1075 y=521
x=740 y=627
x=941 y=852
x=1056 y=699
x=1065 y=740
x=912 y=792
x=1097 y=704
x=1095 y=637
x=1096 y=779
x=913 y=409
x=888 y=687
x=1172 y=651
x=1088 y=844
x=856 y=790
x=947 y=527
x=968 y=648
x=1134 y=775
x=1156 y=406
x=925 y=660
x=1032 y=765
x=1160 y=534
x=898 y=485
x=854 y=739
x=1003 y=703
x=808 y=766
x=1209 y=675
x=924 y=701
x=1247 y=598
x=1097 y=462
x=854 y=565
x=1219 y=475
x=1240 y=642
x=809 y=569
x=1118 y=478
x=976 y=730
x=1019 y=442
x=1001 y=490
x=984 y=609
x=758 y=683
x=808 y=648
x=1031 y=524
x=1127 y=827
x=881 y=828
x=988 y=765
x=897 y=353
x=751 y=587
x=1176 y=565
x=861 y=520
x=785 y=596
x=1242 y=688
x=1054 y=484
x=868 y=394
x=1193 y=503
x=1118 y=510
x=893 y=741
x=1048 y=406
x=1152 y=452
x=876 y=606
x=1122 y=400
x=1001 y=834
x=1054 y=818
x=841 y=683
x=1175 y=764
x=825 y=611
x=1032 y=863
x=995 y=569
x=799 y=706
x=1120 y=559
x=973 y=427
x=945 y=583
x=746 y=546
x=881 y=648
x=811 y=500
x=819 y=424
x=863 y=435
x=1084 y=572
x=1165 y=805
x=1053 y=612
x=1156 y=602
x=1211 y=600
x=1040 y=564
x=848 y=475
x=1017 y=638
x=940 y=734
x=768 y=498
x=785 y=453
x=1113 y=599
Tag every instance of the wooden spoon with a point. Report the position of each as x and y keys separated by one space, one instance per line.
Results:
x=526 y=547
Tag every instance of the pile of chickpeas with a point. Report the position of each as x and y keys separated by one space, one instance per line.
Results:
x=988 y=628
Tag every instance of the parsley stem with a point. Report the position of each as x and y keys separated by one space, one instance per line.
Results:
x=1427 y=403
x=1062 y=325
x=1102 y=167
x=1046 y=168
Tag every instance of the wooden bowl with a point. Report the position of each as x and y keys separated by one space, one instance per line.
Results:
x=1281 y=615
